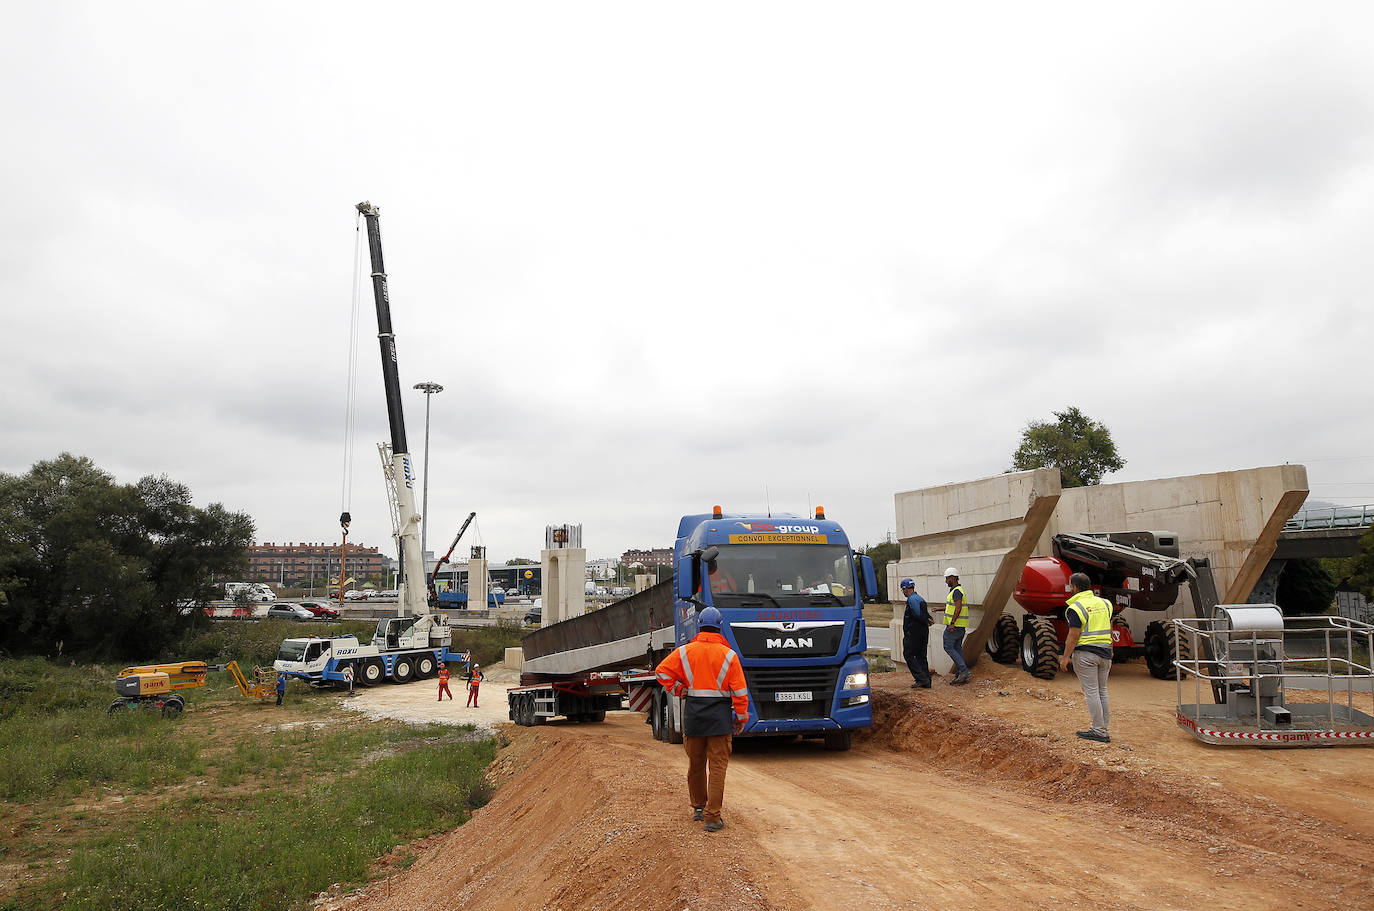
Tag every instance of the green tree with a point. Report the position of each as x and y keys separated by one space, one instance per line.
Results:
x=1360 y=567
x=1305 y=588
x=1081 y=448
x=881 y=555
x=100 y=566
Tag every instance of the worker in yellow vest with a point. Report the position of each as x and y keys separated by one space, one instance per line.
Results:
x=956 y=625
x=1089 y=648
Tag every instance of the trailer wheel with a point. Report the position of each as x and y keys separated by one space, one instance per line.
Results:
x=424 y=667
x=674 y=735
x=402 y=671
x=372 y=672
x=656 y=717
x=594 y=717
x=1039 y=648
x=837 y=741
x=1001 y=646
x=1161 y=640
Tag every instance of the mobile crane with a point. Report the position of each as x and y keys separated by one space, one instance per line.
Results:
x=411 y=644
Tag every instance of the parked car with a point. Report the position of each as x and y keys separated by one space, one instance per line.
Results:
x=288 y=612
x=355 y=594
x=535 y=616
x=322 y=611
x=390 y=594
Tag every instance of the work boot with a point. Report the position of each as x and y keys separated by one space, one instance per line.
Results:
x=1094 y=736
x=697 y=813
x=714 y=825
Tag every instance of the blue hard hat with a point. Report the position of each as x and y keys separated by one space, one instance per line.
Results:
x=907 y=583
x=709 y=617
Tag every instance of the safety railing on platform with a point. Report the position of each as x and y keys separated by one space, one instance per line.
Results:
x=1250 y=660
x=1332 y=517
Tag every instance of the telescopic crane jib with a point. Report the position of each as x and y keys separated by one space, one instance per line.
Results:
x=412 y=595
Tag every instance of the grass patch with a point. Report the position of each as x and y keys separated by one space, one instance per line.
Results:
x=488 y=643
x=234 y=804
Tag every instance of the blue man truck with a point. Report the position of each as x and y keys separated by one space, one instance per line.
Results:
x=791 y=592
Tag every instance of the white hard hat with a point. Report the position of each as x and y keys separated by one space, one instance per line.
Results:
x=951 y=571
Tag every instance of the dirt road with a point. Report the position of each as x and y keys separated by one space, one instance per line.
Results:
x=977 y=797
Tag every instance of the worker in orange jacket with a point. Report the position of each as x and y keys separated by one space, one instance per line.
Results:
x=707 y=673
x=443 y=682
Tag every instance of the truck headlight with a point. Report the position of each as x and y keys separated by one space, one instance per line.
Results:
x=855 y=681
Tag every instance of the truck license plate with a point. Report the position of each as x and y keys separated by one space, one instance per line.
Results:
x=804 y=696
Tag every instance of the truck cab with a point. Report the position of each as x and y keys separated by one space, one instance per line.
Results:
x=790 y=593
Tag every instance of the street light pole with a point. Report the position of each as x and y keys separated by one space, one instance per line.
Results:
x=428 y=389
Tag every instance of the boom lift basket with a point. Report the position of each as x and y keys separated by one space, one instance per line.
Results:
x=1275 y=681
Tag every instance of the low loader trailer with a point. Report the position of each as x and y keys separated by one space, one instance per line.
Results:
x=791 y=594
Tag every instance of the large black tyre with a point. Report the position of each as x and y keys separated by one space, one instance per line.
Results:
x=372 y=672
x=1161 y=644
x=595 y=716
x=1004 y=641
x=173 y=706
x=656 y=717
x=119 y=705
x=674 y=735
x=402 y=670
x=424 y=666
x=1039 y=648
x=837 y=741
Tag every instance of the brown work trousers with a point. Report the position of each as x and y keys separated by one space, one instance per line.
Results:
x=707 y=760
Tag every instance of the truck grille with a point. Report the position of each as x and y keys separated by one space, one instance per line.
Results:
x=766 y=682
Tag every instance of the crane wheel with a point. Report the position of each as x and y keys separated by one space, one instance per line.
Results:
x=371 y=672
x=1039 y=648
x=424 y=667
x=119 y=705
x=173 y=706
x=402 y=670
x=1002 y=644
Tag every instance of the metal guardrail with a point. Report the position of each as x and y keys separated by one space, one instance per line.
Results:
x=1332 y=517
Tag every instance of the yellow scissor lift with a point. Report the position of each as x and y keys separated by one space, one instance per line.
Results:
x=152 y=686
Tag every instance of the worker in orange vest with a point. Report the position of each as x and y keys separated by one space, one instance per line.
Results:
x=707 y=673
x=473 y=683
x=443 y=682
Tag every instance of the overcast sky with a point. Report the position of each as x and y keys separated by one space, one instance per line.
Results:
x=663 y=257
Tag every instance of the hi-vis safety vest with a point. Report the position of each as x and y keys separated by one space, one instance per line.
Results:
x=949 y=608
x=1096 y=615
x=707 y=672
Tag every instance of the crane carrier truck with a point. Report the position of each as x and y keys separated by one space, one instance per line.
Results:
x=791 y=593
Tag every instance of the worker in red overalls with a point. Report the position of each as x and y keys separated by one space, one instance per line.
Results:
x=443 y=682
x=473 y=683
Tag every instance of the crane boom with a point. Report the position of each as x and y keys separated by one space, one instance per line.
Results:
x=412 y=596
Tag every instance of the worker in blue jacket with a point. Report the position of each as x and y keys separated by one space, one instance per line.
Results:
x=916 y=624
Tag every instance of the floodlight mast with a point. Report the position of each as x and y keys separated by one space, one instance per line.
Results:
x=412 y=598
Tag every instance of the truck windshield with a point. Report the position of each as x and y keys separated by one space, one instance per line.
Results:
x=292 y=650
x=793 y=571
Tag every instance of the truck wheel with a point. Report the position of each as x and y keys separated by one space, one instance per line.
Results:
x=656 y=706
x=372 y=672
x=1002 y=643
x=402 y=671
x=1039 y=648
x=837 y=741
x=1161 y=640
x=594 y=717
x=674 y=735
x=424 y=667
